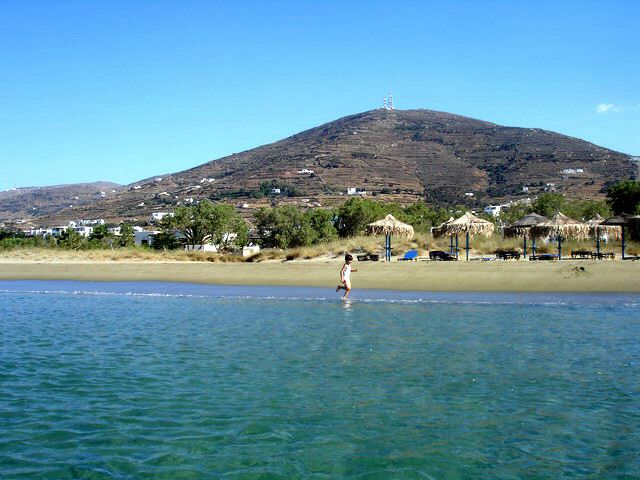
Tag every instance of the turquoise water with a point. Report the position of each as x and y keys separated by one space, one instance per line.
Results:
x=165 y=381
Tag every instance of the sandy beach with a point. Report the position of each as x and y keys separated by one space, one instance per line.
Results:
x=516 y=276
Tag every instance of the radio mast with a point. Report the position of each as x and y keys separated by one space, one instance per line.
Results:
x=387 y=103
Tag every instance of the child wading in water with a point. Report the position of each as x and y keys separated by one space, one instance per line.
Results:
x=345 y=276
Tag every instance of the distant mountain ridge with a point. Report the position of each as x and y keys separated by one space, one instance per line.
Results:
x=25 y=203
x=401 y=155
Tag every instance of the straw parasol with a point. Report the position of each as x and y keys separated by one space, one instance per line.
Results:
x=388 y=226
x=468 y=224
x=596 y=229
x=523 y=227
x=620 y=221
x=561 y=227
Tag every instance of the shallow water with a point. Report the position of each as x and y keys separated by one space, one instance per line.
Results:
x=166 y=381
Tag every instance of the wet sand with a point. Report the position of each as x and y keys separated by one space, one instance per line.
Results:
x=516 y=276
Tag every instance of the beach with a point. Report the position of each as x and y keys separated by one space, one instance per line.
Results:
x=506 y=276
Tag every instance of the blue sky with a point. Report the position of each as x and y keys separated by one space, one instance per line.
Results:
x=124 y=90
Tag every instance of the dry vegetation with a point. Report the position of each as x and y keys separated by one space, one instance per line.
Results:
x=485 y=246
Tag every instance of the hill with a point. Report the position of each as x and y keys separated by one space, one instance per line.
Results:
x=25 y=203
x=401 y=155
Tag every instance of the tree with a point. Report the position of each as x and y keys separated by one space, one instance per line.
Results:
x=205 y=222
x=166 y=240
x=356 y=213
x=71 y=240
x=422 y=218
x=587 y=209
x=192 y=222
x=321 y=222
x=283 y=227
x=514 y=213
x=226 y=228
x=99 y=232
x=624 y=197
x=127 y=237
x=548 y=204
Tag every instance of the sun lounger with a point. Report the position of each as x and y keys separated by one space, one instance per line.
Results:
x=603 y=255
x=507 y=254
x=374 y=257
x=411 y=255
x=443 y=256
x=544 y=256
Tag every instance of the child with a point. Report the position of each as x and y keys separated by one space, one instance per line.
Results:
x=345 y=276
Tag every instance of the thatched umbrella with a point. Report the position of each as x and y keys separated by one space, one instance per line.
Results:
x=388 y=226
x=440 y=231
x=469 y=225
x=523 y=227
x=561 y=227
x=597 y=229
x=620 y=221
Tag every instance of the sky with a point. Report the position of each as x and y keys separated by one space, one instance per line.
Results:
x=124 y=90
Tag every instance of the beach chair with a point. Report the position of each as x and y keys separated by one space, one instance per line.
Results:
x=440 y=255
x=411 y=255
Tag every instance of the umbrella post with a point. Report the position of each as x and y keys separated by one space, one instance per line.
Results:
x=525 y=245
x=559 y=247
x=456 y=247
x=387 y=247
x=622 y=240
x=467 y=245
x=533 y=245
x=451 y=244
x=598 y=241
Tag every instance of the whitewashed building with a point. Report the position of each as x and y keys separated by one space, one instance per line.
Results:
x=493 y=210
x=207 y=247
x=158 y=216
x=84 y=230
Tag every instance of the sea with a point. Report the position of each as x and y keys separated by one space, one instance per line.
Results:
x=178 y=381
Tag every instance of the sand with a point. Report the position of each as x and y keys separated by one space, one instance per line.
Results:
x=516 y=276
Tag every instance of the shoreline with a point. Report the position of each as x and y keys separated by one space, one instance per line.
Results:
x=498 y=276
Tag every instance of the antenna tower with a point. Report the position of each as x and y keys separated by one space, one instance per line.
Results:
x=390 y=104
x=384 y=103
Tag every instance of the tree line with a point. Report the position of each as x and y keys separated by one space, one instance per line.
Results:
x=287 y=226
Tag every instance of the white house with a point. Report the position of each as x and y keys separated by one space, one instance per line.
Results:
x=84 y=230
x=207 y=247
x=493 y=210
x=38 y=232
x=57 y=231
x=114 y=230
x=275 y=190
x=158 y=216
x=305 y=171
x=351 y=191
x=250 y=250
x=468 y=194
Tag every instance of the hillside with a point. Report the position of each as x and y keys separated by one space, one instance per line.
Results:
x=395 y=155
x=29 y=202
